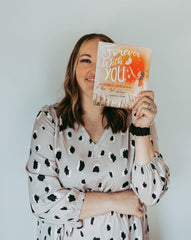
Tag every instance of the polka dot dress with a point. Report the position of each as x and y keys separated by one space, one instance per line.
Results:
x=65 y=164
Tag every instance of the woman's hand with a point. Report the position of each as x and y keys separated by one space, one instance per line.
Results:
x=145 y=110
x=127 y=202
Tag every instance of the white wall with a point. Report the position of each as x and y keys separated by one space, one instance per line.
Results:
x=35 y=42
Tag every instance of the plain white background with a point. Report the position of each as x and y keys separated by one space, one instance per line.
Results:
x=36 y=38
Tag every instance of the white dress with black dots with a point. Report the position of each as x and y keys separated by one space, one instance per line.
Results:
x=63 y=167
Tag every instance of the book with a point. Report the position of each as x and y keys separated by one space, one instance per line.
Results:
x=122 y=71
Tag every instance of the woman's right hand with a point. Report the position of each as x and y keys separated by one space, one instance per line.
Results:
x=127 y=202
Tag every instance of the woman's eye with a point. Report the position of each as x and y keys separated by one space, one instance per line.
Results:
x=85 y=61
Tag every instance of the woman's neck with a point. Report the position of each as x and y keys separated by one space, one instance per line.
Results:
x=92 y=112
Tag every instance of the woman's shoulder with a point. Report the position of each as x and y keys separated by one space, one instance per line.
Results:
x=48 y=111
x=51 y=108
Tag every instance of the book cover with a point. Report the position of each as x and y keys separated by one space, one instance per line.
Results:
x=122 y=71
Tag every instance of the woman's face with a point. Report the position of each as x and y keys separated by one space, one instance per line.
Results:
x=86 y=66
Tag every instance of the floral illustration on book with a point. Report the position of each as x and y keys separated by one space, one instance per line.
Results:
x=122 y=71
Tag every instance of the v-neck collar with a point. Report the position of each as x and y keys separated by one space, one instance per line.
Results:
x=103 y=136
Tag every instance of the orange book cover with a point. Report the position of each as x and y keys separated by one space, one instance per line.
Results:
x=122 y=71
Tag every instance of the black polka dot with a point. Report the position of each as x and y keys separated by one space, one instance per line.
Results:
x=92 y=220
x=41 y=177
x=142 y=170
x=90 y=141
x=47 y=163
x=112 y=212
x=61 y=128
x=30 y=178
x=113 y=157
x=66 y=170
x=102 y=153
x=125 y=171
x=64 y=208
x=129 y=216
x=163 y=179
x=108 y=227
x=81 y=233
x=34 y=135
x=72 y=149
x=137 y=190
x=56 y=217
x=70 y=219
x=58 y=155
x=133 y=143
x=154 y=196
x=123 y=235
x=36 y=198
x=52 y=197
x=100 y=184
x=70 y=134
x=154 y=181
x=49 y=231
x=112 y=138
x=43 y=127
x=37 y=148
x=82 y=165
x=144 y=185
x=121 y=215
x=96 y=169
x=125 y=184
x=89 y=153
x=125 y=153
x=83 y=181
x=134 y=226
x=130 y=228
x=50 y=146
x=59 y=230
x=47 y=189
x=57 y=170
x=135 y=167
x=80 y=138
x=111 y=174
x=71 y=198
x=147 y=228
x=95 y=238
x=153 y=166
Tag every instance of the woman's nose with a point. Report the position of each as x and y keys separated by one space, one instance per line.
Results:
x=93 y=67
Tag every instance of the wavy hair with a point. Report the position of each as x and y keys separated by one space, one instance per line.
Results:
x=69 y=108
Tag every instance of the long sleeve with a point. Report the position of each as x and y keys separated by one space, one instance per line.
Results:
x=48 y=199
x=150 y=181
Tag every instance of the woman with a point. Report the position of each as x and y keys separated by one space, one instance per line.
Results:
x=91 y=174
x=138 y=84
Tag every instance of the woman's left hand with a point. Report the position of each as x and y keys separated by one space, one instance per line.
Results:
x=145 y=110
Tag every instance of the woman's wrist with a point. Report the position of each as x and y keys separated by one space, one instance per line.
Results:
x=139 y=131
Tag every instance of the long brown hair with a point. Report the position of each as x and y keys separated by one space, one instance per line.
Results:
x=70 y=110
